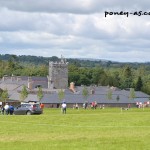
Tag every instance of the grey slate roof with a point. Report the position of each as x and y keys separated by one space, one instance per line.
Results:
x=32 y=97
x=23 y=80
x=51 y=96
x=14 y=96
x=101 y=98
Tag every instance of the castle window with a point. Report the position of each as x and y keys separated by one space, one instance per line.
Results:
x=37 y=86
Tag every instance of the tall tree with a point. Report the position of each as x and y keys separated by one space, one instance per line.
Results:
x=40 y=93
x=24 y=93
x=61 y=94
x=127 y=72
x=139 y=84
x=85 y=93
x=132 y=93
x=5 y=95
x=109 y=94
x=127 y=78
x=74 y=77
x=84 y=80
x=96 y=76
x=1 y=91
x=11 y=64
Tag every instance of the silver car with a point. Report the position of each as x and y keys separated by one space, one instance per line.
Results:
x=27 y=109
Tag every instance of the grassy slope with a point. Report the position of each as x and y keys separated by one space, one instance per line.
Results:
x=108 y=129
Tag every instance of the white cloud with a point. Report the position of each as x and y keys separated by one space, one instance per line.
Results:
x=76 y=6
x=75 y=28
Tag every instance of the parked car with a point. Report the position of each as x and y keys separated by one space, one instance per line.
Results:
x=28 y=109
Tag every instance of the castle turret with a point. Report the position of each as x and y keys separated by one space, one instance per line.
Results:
x=58 y=74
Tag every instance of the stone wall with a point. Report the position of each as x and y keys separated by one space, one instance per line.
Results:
x=58 y=75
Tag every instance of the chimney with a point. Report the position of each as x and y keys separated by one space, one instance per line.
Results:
x=92 y=91
x=72 y=88
x=18 y=78
x=5 y=77
x=12 y=77
x=29 y=83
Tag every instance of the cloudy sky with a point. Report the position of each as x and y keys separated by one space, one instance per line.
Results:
x=75 y=29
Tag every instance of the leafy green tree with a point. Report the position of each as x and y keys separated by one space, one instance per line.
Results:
x=24 y=93
x=74 y=77
x=54 y=58
x=110 y=80
x=109 y=94
x=40 y=93
x=104 y=80
x=73 y=68
x=5 y=95
x=146 y=87
x=127 y=72
x=43 y=70
x=84 y=80
x=132 y=93
x=11 y=64
x=127 y=78
x=116 y=79
x=14 y=58
x=85 y=93
x=1 y=91
x=141 y=71
x=127 y=83
x=77 y=64
x=61 y=94
x=97 y=72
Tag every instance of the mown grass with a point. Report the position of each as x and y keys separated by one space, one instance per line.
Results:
x=108 y=129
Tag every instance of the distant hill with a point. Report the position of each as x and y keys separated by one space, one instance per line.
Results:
x=80 y=62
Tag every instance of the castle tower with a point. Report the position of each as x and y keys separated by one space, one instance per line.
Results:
x=58 y=74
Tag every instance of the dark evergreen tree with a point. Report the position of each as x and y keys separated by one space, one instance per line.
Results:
x=139 y=84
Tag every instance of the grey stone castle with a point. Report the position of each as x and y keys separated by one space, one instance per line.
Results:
x=57 y=79
x=58 y=74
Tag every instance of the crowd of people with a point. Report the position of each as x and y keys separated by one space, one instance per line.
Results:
x=94 y=105
x=7 y=109
x=86 y=105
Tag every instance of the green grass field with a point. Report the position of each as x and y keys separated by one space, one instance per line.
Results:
x=108 y=129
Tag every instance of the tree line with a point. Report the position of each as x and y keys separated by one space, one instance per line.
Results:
x=123 y=78
x=122 y=75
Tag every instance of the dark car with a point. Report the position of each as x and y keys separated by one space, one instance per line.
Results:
x=28 y=109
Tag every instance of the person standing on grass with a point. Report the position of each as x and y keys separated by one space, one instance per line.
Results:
x=11 y=109
x=77 y=106
x=6 y=109
x=0 y=109
x=129 y=105
x=64 y=107
x=42 y=106
x=3 y=110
